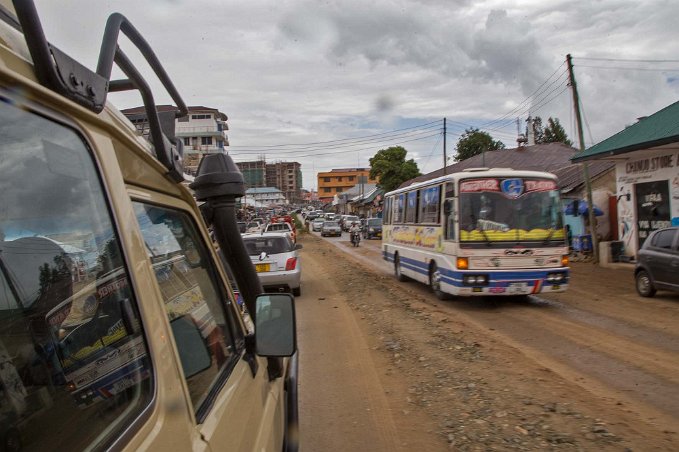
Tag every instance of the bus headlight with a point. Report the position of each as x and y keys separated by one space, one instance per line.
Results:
x=475 y=280
x=556 y=277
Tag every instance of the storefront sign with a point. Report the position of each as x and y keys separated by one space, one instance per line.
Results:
x=651 y=164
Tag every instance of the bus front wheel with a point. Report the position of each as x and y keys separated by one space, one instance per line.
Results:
x=435 y=282
x=397 y=269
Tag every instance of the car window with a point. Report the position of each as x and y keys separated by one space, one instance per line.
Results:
x=374 y=222
x=664 y=239
x=269 y=245
x=192 y=296
x=278 y=227
x=74 y=366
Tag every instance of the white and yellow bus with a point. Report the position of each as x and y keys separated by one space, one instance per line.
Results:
x=478 y=232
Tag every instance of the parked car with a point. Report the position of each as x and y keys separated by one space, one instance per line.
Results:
x=282 y=227
x=347 y=220
x=372 y=228
x=317 y=224
x=276 y=261
x=331 y=228
x=658 y=263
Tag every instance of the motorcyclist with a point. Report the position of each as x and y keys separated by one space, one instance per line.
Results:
x=354 y=229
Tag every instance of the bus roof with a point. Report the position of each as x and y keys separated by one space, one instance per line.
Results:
x=475 y=173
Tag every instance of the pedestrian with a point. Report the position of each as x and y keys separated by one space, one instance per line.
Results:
x=569 y=237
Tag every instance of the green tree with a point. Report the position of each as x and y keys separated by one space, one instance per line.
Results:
x=538 y=132
x=555 y=133
x=552 y=133
x=391 y=168
x=474 y=142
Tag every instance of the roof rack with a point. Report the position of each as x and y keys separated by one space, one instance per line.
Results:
x=66 y=76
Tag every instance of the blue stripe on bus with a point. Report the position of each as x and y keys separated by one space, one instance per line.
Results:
x=497 y=278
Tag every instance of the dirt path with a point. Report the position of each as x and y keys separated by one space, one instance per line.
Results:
x=595 y=368
x=343 y=403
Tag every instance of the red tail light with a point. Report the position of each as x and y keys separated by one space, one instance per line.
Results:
x=291 y=264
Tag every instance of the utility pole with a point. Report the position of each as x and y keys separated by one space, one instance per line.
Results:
x=445 y=160
x=585 y=165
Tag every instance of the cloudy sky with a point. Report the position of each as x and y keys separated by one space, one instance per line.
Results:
x=329 y=83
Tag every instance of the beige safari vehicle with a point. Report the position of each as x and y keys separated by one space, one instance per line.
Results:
x=120 y=322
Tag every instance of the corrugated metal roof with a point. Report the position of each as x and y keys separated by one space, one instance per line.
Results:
x=658 y=129
x=551 y=157
x=540 y=157
x=571 y=177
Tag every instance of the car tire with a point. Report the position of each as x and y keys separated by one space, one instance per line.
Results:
x=435 y=282
x=297 y=291
x=644 y=285
x=397 y=269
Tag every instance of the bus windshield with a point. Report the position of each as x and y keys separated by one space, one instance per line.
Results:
x=491 y=216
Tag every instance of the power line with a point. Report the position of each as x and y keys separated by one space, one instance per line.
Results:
x=432 y=151
x=357 y=142
x=534 y=93
x=631 y=60
x=537 y=101
x=322 y=143
x=630 y=68
x=547 y=101
x=341 y=151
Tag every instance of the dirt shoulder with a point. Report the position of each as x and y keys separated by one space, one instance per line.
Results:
x=465 y=383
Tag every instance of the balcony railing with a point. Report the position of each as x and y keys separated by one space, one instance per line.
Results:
x=200 y=131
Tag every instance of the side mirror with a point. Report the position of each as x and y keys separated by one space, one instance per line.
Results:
x=193 y=352
x=275 y=325
x=298 y=246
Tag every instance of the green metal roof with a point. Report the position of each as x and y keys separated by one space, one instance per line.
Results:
x=658 y=129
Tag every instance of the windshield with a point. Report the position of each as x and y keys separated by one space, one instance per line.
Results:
x=375 y=222
x=496 y=216
x=278 y=227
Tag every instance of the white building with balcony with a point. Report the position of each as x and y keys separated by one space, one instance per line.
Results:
x=267 y=196
x=203 y=131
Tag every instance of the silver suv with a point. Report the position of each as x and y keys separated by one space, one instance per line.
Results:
x=658 y=265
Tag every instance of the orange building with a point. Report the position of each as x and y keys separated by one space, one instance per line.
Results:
x=337 y=181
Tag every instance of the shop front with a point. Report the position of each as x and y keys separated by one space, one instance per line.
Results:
x=648 y=195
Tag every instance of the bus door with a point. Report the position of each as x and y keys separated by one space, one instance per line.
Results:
x=449 y=212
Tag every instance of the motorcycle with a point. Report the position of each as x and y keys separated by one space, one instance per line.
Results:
x=355 y=238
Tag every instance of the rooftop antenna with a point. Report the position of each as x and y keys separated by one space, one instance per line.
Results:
x=521 y=138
